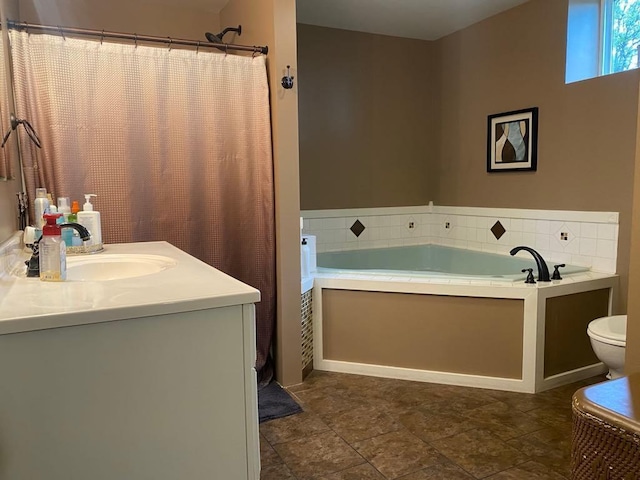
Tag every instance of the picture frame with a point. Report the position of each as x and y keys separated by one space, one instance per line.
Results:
x=512 y=141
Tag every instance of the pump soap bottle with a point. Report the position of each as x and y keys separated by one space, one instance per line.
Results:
x=90 y=219
x=53 y=252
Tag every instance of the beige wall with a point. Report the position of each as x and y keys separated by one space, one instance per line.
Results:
x=632 y=363
x=145 y=17
x=273 y=22
x=367 y=119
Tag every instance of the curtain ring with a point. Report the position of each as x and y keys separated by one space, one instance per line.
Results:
x=135 y=39
x=170 y=42
x=255 y=52
x=26 y=24
x=226 y=49
x=62 y=33
x=102 y=37
x=197 y=47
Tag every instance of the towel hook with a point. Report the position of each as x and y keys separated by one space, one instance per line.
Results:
x=287 y=80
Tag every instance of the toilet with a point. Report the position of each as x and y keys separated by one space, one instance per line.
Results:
x=608 y=337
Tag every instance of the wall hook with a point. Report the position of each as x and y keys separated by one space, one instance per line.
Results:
x=287 y=80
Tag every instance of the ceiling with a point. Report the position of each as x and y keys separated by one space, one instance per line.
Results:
x=213 y=6
x=421 y=19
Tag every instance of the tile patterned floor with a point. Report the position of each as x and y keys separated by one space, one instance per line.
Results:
x=365 y=428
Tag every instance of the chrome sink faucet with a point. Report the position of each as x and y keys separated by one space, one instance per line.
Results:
x=33 y=264
x=543 y=270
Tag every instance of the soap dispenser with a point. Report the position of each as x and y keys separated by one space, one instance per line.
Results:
x=90 y=219
x=53 y=253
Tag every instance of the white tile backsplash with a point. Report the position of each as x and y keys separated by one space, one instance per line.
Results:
x=529 y=226
x=589 y=230
x=517 y=225
x=591 y=237
x=588 y=246
x=606 y=232
x=543 y=227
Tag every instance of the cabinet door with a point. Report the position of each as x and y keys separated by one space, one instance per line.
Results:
x=251 y=392
x=158 y=398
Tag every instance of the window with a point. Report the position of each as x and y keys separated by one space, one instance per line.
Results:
x=620 y=35
x=603 y=37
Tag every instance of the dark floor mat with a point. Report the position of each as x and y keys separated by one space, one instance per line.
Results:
x=274 y=402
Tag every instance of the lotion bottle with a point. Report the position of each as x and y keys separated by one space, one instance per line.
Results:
x=53 y=251
x=90 y=219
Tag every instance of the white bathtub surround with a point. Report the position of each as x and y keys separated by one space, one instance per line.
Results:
x=580 y=238
x=534 y=297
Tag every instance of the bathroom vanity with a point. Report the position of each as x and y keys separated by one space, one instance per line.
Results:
x=147 y=376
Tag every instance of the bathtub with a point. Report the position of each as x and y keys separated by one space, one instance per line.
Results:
x=434 y=261
x=446 y=315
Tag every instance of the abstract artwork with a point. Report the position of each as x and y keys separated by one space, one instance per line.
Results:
x=512 y=140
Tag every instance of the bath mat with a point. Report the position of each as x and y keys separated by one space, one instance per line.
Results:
x=274 y=402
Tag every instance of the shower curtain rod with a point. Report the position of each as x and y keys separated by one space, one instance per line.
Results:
x=134 y=37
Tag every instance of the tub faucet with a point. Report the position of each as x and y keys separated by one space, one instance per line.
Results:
x=33 y=264
x=543 y=270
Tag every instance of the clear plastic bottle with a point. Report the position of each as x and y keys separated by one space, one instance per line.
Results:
x=65 y=210
x=40 y=207
x=53 y=252
x=76 y=241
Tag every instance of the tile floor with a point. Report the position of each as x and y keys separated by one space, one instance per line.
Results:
x=365 y=428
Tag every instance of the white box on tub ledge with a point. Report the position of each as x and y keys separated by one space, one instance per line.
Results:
x=147 y=377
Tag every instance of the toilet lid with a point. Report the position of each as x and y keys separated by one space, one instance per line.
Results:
x=611 y=328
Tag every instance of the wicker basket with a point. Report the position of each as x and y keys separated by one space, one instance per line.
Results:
x=606 y=439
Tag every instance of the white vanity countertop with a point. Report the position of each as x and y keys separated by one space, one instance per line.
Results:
x=28 y=304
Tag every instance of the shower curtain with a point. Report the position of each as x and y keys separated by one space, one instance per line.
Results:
x=176 y=144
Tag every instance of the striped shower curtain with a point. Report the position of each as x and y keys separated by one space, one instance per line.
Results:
x=176 y=144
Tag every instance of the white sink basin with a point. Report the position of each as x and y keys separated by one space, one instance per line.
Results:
x=101 y=268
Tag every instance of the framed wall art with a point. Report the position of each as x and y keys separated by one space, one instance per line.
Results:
x=512 y=141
